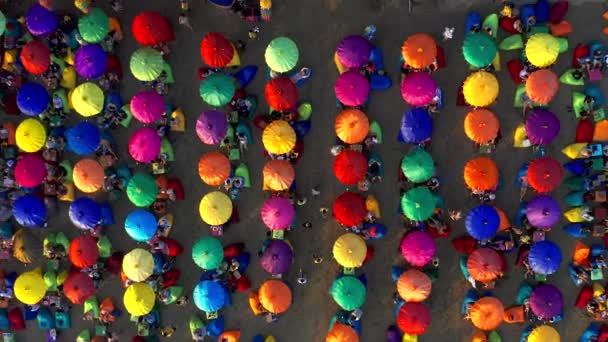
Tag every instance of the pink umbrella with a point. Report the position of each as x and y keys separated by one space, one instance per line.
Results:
x=144 y=145
x=30 y=171
x=147 y=106
x=278 y=213
x=352 y=88
x=418 y=89
x=418 y=248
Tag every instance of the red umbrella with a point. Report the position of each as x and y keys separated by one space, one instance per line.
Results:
x=151 y=28
x=78 y=287
x=349 y=209
x=545 y=174
x=350 y=167
x=413 y=318
x=83 y=251
x=216 y=50
x=281 y=93
x=35 y=57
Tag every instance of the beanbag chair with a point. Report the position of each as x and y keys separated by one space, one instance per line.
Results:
x=69 y=58
x=59 y=62
x=519 y=91
x=246 y=75
x=581 y=253
x=575 y=199
x=440 y=58
x=522 y=255
x=558 y=11
x=63 y=320
x=16 y=321
x=575 y=183
x=572 y=77
x=91 y=306
x=70 y=193
x=50 y=279
x=116 y=27
x=472 y=22
x=514 y=67
x=380 y=82
x=523 y=293
x=505 y=223
x=215 y=327
x=600 y=132
x=127 y=120
x=583 y=297
x=114 y=66
x=460 y=101
x=513 y=42
x=515 y=314
x=45 y=319
x=105 y=247
x=29 y=312
x=563 y=44
x=377 y=58
x=233 y=250
x=508 y=24
x=526 y=12
x=491 y=23
x=563 y=28
x=464 y=244
x=178 y=189
x=167 y=149
x=573 y=151
x=580 y=51
x=575 y=215
x=107 y=216
x=541 y=9
x=576 y=230
x=10 y=57
x=60 y=93
x=4 y=322
x=585 y=131
x=68 y=79
x=243 y=284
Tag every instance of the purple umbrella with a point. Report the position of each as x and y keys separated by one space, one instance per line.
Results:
x=546 y=301
x=418 y=248
x=211 y=127
x=147 y=106
x=40 y=21
x=90 y=61
x=352 y=88
x=354 y=51
x=418 y=89
x=543 y=211
x=542 y=127
x=277 y=257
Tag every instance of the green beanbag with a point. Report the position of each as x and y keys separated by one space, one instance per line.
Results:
x=243 y=171
x=84 y=336
x=169 y=71
x=512 y=42
x=68 y=168
x=569 y=78
x=167 y=149
x=304 y=111
x=376 y=129
x=127 y=121
x=105 y=247
x=563 y=44
x=62 y=240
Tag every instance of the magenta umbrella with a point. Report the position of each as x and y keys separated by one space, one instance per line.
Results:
x=30 y=171
x=352 y=88
x=278 y=213
x=546 y=301
x=418 y=248
x=277 y=257
x=211 y=127
x=418 y=89
x=144 y=145
x=147 y=106
x=354 y=51
x=542 y=127
x=543 y=211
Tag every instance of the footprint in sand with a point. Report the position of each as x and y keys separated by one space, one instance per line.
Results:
x=332 y=5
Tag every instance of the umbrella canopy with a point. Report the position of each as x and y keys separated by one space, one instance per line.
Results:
x=151 y=28
x=211 y=127
x=30 y=287
x=418 y=248
x=481 y=174
x=418 y=204
x=482 y=222
x=279 y=137
x=40 y=21
x=481 y=125
x=139 y=299
x=349 y=209
x=30 y=171
x=138 y=264
x=419 y=50
x=87 y=99
x=543 y=211
x=342 y=333
x=278 y=175
x=413 y=318
x=32 y=99
x=209 y=296
x=545 y=174
x=542 y=49
x=27 y=247
x=94 y=26
x=146 y=64
x=484 y=264
x=544 y=333
x=88 y=175
x=90 y=61
x=78 y=287
x=350 y=250
x=30 y=135
x=352 y=126
x=275 y=296
x=542 y=126
x=354 y=51
x=215 y=208
x=546 y=301
x=277 y=257
x=416 y=126
x=414 y=286
x=480 y=89
x=216 y=50
x=214 y=168
x=281 y=93
x=144 y=145
x=348 y=292
x=278 y=213
x=282 y=54
x=350 y=167
x=542 y=85
x=83 y=138
x=142 y=189
x=141 y=225
x=35 y=57
x=147 y=106
x=418 y=165
x=29 y=211
x=352 y=88
x=83 y=251
x=217 y=89
x=208 y=253
x=545 y=257
x=418 y=88
x=2 y=23
x=479 y=49
x=85 y=213
x=487 y=313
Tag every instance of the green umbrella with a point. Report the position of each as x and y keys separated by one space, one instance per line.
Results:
x=142 y=189
x=348 y=292
x=479 y=49
x=146 y=64
x=282 y=54
x=2 y=23
x=418 y=204
x=94 y=27
x=208 y=253
x=217 y=89
x=418 y=166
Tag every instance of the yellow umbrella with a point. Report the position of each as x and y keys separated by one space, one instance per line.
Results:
x=279 y=137
x=30 y=287
x=480 y=89
x=350 y=250
x=542 y=49
x=138 y=264
x=215 y=208
x=30 y=135
x=139 y=299
x=87 y=99
x=544 y=333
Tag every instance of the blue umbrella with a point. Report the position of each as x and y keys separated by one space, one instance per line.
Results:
x=416 y=126
x=40 y=21
x=141 y=225
x=545 y=257
x=30 y=211
x=85 y=213
x=32 y=99
x=209 y=296
x=90 y=61
x=83 y=138
x=482 y=222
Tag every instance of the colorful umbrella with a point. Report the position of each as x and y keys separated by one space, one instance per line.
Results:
x=87 y=99
x=88 y=175
x=542 y=50
x=545 y=174
x=348 y=292
x=282 y=54
x=78 y=287
x=349 y=209
x=83 y=251
x=480 y=89
x=277 y=257
x=481 y=125
x=29 y=211
x=208 y=253
x=141 y=225
x=543 y=211
x=139 y=299
x=217 y=89
x=35 y=57
x=418 y=204
x=275 y=296
x=32 y=99
x=146 y=64
x=418 y=248
x=545 y=257
x=94 y=26
x=543 y=333
x=542 y=85
x=30 y=171
x=40 y=21
x=85 y=213
x=144 y=145
x=487 y=313
x=546 y=301
x=138 y=264
x=216 y=50
x=279 y=137
x=83 y=138
x=281 y=93
x=27 y=247
x=481 y=174
x=479 y=49
x=211 y=127
x=418 y=89
x=482 y=222
x=414 y=286
x=350 y=250
x=352 y=126
x=419 y=50
x=418 y=166
x=278 y=213
x=352 y=88
x=342 y=333
x=90 y=61
x=350 y=167
x=416 y=126
x=151 y=28
x=214 y=168
x=354 y=51
x=484 y=264
x=542 y=127
x=215 y=208
x=413 y=318
x=278 y=175
x=209 y=296
x=142 y=189
x=29 y=287
x=147 y=106
x=30 y=135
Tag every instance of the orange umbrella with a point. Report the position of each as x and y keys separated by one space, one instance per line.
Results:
x=414 y=286
x=88 y=175
x=352 y=126
x=275 y=296
x=419 y=50
x=487 y=313
x=542 y=85
x=481 y=174
x=481 y=125
x=484 y=264
x=278 y=175
x=342 y=333
x=214 y=168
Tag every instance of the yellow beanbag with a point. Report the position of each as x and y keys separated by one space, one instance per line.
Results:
x=520 y=139
x=68 y=81
x=371 y=204
x=496 y=62
x=575 y=215
x=339 y=65
x=236 y=60
x=69 y=58
x=69 y=195
x=178 y=120
x=70 y=105
x=10 y=57
x=573 y=151
x=410 y=338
